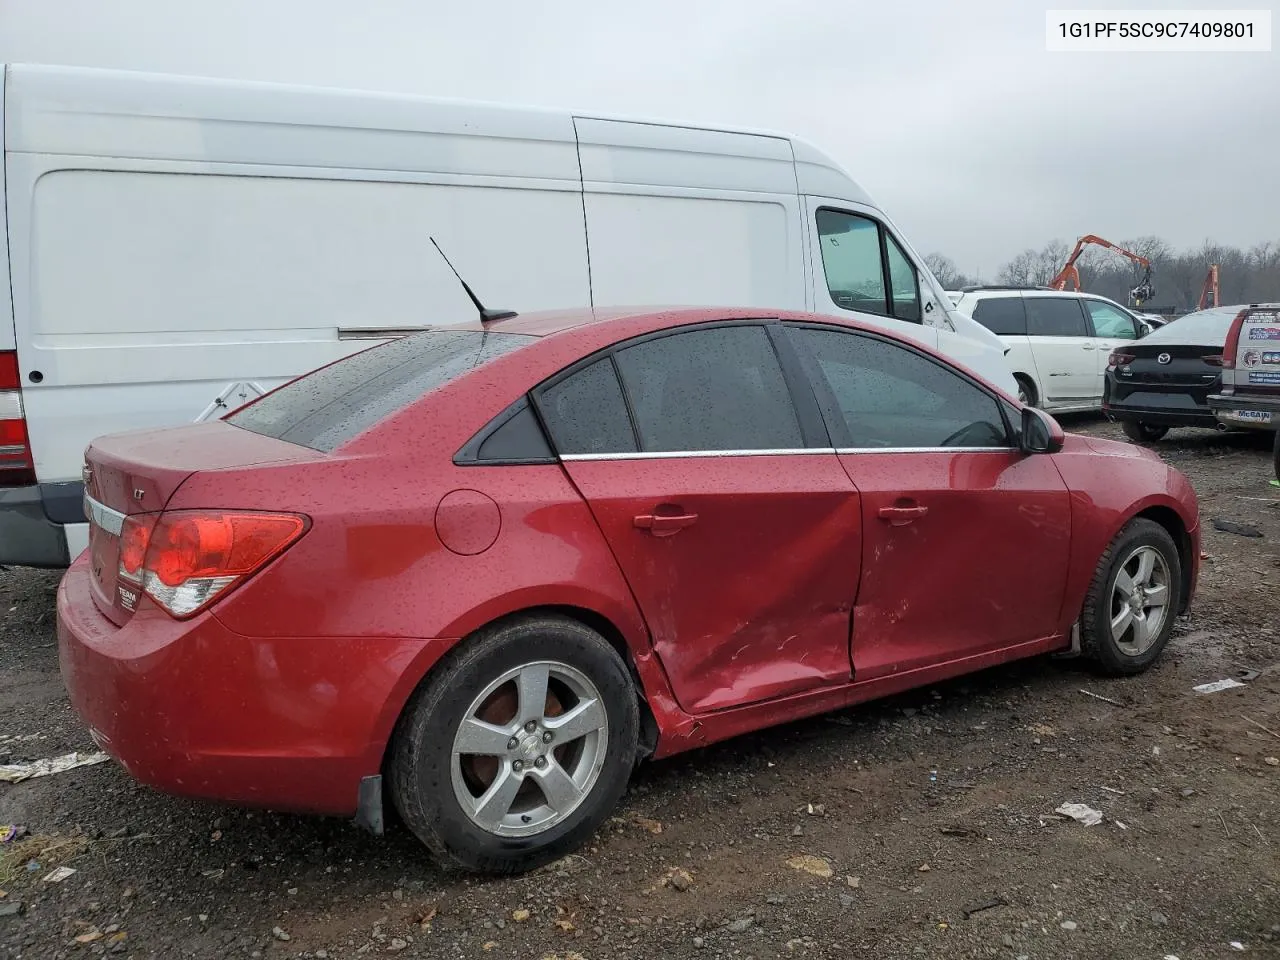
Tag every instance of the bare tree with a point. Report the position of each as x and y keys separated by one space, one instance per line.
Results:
x=1250 y=276
x=945 y=269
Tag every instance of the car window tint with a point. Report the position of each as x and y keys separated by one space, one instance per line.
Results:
x=851 y=260
x=520 y=438
x=1054 y=317
x=328 y=407
x=890 y=396
x=1003 y=315
x=1110 y=322
x=586 y=413
x=904 y=287
x=716 y=389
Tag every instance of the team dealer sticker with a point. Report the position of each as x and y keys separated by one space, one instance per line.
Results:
x=1265 y=376
x=1264 y=333
x=1252 y=358
x=1270 y=357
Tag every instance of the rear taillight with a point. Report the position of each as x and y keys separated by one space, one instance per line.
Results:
x=1215 y=359
x=1118 y=358
x=185 y=559
x=1233 y=341
x=17 y=468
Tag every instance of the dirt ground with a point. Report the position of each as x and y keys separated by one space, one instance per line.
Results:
x=933 y=810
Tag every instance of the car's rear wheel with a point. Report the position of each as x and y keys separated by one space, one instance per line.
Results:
x=1026 y=390
x=517 y=747
x=1140 y=432
x=1134 y=598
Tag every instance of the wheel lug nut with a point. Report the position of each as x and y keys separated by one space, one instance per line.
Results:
x=512 y=743
x=531 y=726
x=546 y=737
x=540 y=762
x=517 y=766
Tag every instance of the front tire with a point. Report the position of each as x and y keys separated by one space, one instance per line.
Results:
x=1140 y=432
x=1134 y=598
x=517 y=747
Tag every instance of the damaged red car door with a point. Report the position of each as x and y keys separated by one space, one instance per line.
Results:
x=733 y=521
x=966 y=540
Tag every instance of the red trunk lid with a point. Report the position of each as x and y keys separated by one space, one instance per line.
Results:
x=136 y=473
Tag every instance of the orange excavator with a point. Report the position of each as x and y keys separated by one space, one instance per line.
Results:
x=1143 y=291
x=1209 y=289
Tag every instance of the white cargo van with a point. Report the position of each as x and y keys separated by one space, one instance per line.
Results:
x=176 y=246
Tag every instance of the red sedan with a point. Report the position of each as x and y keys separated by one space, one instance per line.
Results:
x=482 y=572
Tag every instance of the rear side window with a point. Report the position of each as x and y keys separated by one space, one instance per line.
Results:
x=325 y=409
x=1003 y=315
x=715 y=389
x=586 y=413
x=1055 y=317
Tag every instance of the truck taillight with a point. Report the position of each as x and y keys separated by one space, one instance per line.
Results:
x=185 y=559
x=1233 y=341
x=17 y=468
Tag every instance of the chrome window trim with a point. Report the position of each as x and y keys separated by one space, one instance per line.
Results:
x=694 y=454
x=686 y=454
x=112 y=521
x=849 y=450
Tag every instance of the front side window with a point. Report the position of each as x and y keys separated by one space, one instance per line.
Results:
x=1055 y=317
x=712 y=389
x=866 y=269
x=1110 y=322
x=887 y=395
x=325 y=409
x=904 y=287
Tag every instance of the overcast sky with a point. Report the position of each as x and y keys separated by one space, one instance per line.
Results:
x=950 y=113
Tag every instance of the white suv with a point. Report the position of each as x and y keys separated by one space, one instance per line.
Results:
x=1058 y=342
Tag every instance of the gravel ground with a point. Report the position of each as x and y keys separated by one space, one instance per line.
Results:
x=933 y=812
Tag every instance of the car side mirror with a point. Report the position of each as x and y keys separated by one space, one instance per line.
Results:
x=1040 y=432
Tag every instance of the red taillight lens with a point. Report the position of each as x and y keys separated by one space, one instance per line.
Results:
x=135 y=535
x=16 y=465
x=193 y=556
x=1119 y=358
x=1214 y=359
x=1233 y=341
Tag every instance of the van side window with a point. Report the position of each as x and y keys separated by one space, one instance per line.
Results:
x=1055 y=317
x=866 y=269
x=1002 y=315
x=904 y=289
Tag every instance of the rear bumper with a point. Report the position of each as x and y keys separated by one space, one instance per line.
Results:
x=1235 y=409
x=28 y=538
x=1161 y=416
x=195 y=709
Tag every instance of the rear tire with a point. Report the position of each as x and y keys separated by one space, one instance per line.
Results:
x=1140 y=432
x=556 y=690
x=1026 y=390
x=1133 y=601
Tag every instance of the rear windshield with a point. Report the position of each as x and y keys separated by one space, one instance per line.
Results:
x=1204 y=326
x=325 y=409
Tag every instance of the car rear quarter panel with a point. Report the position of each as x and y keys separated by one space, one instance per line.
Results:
x=1110 y=484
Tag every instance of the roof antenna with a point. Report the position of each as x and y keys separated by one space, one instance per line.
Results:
x=486 y=315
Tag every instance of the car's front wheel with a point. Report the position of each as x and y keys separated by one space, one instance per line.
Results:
x=517 y=747
x=1134 y=598
x=1140 y=432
